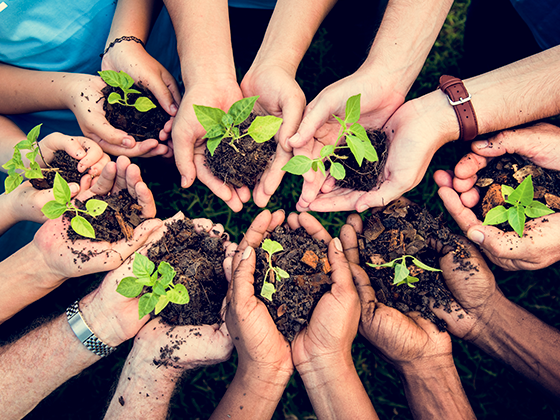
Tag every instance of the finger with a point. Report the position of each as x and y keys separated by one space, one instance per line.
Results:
x=340 y=199
x=341 y=274
x=349 y=241
x=140 y=149
x=217 y=231
x=464 y=216
x=183 y=149
x=292 y=113
x=105 y=181
x=132 y=177
x=316 y=114
x=120 y=181
x=470 y=198
x=314 y=228
x=202 y=225
x=328 y=185
x=102 y=130
x=244 y=193
x=356 y=222
x=243 y=280
x=366 y=295
x=230 y=252
x=498 y=243
x=217 y=186
x=271 y=178
x=469 y=165
x=146 y=200
x=464 y=185
x=97 y=168
x=443 y=178
x=388 y=191
x=163 y=94
x=312 y=183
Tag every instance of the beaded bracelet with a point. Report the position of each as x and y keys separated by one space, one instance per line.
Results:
x=121 y=39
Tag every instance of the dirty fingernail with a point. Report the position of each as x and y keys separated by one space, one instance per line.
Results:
x=481 y=144
x=337 y=244
x=476 y=236
x=246 y=253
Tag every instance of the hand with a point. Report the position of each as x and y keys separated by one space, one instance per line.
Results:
x=281 y=96
x=536 y=249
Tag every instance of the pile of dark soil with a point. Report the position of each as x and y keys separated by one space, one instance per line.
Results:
x=305 y=260
x=118 y=221
x=140 y=125
x=369 y=175
x=198 y=261
x=65 y=165
x=404 y=228
x=244 y=167
x=511 y=170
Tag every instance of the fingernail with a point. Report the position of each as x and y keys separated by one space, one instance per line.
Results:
x=183 y=182
x=481 y=144
x=74 y=188
x=337 y=244
x=246 y=253
x=362 y=207
x=476 y=236
x=173 y=108
x=294 y=138
x=127 y=142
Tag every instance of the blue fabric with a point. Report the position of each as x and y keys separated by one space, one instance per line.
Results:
x=543 y=18
x=253 y=4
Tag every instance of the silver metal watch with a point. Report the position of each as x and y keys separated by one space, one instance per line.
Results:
x=85 y=334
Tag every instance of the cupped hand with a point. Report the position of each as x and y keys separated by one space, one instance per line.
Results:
x=535 y=250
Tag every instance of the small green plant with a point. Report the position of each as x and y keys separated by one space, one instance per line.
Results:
x=62 y=203
x=16 y=162
x=268 y=289
x=357 y=141
x=522 y=204
x=161 y=282
x=222 y=126
x=402 y=273
x=124 y=82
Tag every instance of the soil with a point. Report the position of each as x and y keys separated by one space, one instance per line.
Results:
x=198 y=261
x=140 y=125
x=65 y=165
x=512 y=170
x=369 y=175
x=118 y=221
x=404 y=228
x=244 y=167
x=305 y=259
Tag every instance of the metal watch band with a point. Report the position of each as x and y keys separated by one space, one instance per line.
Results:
x=84 y=334
x=460 y=100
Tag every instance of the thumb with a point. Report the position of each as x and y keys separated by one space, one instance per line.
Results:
x=498 y=243
x=292 y=113
x=243 y=279
x=313 y=119
x=341 y=274
x=508 y=141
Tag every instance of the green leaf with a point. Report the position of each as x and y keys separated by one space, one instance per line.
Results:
x=129 y=287
x=357 y=148
x=241 y=109
x=496 y=216
x=411 y=279
x=212 y=144
x=12 y=182
x=142 y=266
x=516 y=219
x=161 y=304
x=110 y=77
x=33 y=174
x=281 y=273
x=53 y=209
x=147 y=304
x=125 y=81
x=321 y=166
x=227 y=120
x=388 y=264
x=353 y=109
x=369 y=152
x=423 y=266
x=523 y=194
x=360 y=132
x=314 y=165
x=268 y=290
x=95 y=207
x=208 y=117
x=216 y=131
x=133 y=91
x=506 y=191
x=179 y=294
x=167 y=273
x=24 y=145
x=114 y=98
x=144 y=104
x=340 y=121
x=271 y=246
x=264 y=128
x=82 y=227
x=158 y=288
x=298 y=165
x=33 y=134
x=337 y=171
x=327 y=150
x=401 y=272
x=537 y=209
x=61 y=190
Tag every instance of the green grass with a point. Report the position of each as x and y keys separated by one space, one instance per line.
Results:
x=494 y=390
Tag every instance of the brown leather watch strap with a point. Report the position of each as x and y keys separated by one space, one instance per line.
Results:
x=460 y=100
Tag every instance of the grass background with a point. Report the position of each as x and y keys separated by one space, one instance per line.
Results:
x=494 y=391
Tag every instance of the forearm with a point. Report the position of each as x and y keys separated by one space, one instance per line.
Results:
x=11 y=135
x=38 y=363
x=336 y=392
x=6 y=210
x=203 y=40
x=405 y=37
x=133 y=18
x=252 y=394
x=290 y=32
x=520 y=340
x=435 y=392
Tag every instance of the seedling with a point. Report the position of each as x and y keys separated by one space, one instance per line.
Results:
x=223 y=126
x=124 y=82
x=357 y=141
x=16 y=162
x=62 y=203
x=521 y=200
x=402 y=273
x=268 y=289
x=161 y=282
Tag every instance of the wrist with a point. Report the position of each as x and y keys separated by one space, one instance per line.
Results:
x=319 y=372
x=437 y=366
x=32 y=263
x=266 y=381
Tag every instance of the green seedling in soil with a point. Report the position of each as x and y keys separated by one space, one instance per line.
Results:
x=402 y=273
x=161 y=282
x=357 y=141
x=223 y=126
x=62 y=203
x=15 y=164
x=268 y=289
x=124 y=82
x=522 y=205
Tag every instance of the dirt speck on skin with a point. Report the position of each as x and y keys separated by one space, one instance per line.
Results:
x=121 y=400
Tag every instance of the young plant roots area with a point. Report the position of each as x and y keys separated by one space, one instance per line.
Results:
x=404 y=235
